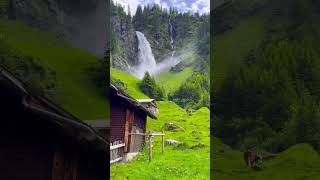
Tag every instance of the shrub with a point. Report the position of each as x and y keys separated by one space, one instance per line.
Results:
x=149 y=86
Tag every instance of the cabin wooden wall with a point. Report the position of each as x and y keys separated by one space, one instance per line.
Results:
x=117 y=120
x=124 y=120
x=31 y=147
x=23 y=161
x=138 y=126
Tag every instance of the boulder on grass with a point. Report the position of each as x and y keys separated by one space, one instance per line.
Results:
x=200 y=145
x=182 y=120
x=172 y=142
x=172 y=127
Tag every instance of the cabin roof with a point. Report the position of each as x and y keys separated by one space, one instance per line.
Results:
x=132 y=101
x=50 y=112
x=146 y=100
x=98 y=123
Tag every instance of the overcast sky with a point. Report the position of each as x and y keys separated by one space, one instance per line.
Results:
x=201 y=6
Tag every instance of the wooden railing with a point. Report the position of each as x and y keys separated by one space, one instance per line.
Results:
x=116 y=151
x=150 y=137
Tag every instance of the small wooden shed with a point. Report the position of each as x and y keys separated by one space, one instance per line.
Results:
x=150 y=104
x=127 y=117
x=41 y=141
x=101 y=126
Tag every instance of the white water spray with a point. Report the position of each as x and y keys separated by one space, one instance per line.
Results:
x=147 y=61
x=146 y=58
x=182 y=55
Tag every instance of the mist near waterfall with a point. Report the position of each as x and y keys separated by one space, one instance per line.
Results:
x=147 y=62
x=172 y=61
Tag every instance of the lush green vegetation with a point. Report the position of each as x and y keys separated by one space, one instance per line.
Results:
x=298 y=162
x=271 y=100
x=80 y=94
x=37 y=77
x=149 y=87
x=230 y=48
x=266 y=91
x=193 y=93
x=173 y=80
x=130 y=83
x=189 y=160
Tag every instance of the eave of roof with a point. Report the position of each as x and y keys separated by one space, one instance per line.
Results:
x=146 y=100
x=132 y=101
x=59 y=116
x=98 y=123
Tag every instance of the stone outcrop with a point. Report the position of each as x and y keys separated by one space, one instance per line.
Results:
x=128 y=42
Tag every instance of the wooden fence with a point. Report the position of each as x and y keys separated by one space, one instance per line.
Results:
x=116 y=151
x=117 y=147
x=150 y=137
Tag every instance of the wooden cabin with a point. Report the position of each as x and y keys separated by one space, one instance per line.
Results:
x=127 y=116
x=150 y=104
x=101 y=126
x=41 y=141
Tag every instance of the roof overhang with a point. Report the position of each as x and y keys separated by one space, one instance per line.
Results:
x=132 y=101
x=69 y=124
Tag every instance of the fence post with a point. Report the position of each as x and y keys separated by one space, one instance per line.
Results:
x=150 y=147
x=162 y=142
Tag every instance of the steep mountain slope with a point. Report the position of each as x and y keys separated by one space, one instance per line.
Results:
x=230 y=48
x=298 y=162
x=256 y=54
x=130 y=83
x=173 y=80
x=82 y=23
x=71 y=65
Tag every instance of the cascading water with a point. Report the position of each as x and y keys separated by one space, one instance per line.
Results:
x=171 y=38
x=147 y=61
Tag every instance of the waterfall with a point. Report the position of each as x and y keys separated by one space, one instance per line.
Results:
x=171 y=33
x=145 y=57
x=171 y=38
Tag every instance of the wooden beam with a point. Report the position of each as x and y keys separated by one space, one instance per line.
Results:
x=162 y=142
x=117 y=146
x=147 y=134
x=150 y=148
x=116 y=160
x=58 y=166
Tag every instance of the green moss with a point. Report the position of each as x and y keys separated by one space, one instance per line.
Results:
x=80 y=95
x=130 y=82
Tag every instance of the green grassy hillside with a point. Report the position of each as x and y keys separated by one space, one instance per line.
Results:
x=183 y=162
x=300 y=162
x=80 y=96
x=131 y=83
x=230 y=47
x=172 y=81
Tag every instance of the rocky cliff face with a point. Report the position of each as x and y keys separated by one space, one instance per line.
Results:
x=126 y=35
x=160 y=41
x=83 y=23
